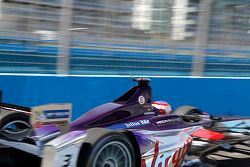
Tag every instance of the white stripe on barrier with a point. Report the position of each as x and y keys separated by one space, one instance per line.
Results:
x=120 y=76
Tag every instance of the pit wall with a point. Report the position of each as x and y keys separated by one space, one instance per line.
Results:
x=217 y=96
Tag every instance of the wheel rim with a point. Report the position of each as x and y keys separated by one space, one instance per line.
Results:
x=16 y=127
x=113 y=154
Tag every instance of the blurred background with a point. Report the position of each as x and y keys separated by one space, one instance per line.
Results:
x=124 y=37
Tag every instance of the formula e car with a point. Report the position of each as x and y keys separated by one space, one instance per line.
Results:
x=127 y=132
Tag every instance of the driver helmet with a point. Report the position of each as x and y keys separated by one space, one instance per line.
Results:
x=162 y=106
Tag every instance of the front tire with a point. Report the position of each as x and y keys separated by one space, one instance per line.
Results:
x=104 y=148
x=187 y=110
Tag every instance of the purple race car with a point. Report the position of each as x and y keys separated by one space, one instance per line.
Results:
x=131 y=131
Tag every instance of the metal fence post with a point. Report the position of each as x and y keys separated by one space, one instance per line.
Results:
x=201 y=40
x=0 y=9
x=63 y=58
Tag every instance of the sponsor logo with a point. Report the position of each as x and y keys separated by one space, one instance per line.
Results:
x=167 y=160
x=55 y=114
x=167 y=121
x=137 y=123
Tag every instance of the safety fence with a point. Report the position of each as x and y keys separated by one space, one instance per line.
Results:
x=138 y=37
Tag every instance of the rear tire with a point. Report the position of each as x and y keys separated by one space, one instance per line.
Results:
x=11 y=157
x=187 y=110
x=15 y=125
x=105 y=148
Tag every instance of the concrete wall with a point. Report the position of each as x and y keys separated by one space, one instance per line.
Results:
x=214 y=95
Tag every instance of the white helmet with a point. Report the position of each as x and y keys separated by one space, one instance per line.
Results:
x=163 y=107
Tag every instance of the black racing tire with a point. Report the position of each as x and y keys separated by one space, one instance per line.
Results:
x=187 y=110
x=106 y=148
x=20 y=120
x=11 y=157
x=14 y=116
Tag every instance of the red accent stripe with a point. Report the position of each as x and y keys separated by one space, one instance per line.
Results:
x=143 y=163
x=166 y=161
x=162 y=111
x=165 y=104
x=208 y=134
x=156 y=152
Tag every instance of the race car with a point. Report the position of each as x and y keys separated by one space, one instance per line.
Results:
x=130 y=131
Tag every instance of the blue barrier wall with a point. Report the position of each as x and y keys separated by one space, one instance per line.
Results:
x=214 y=95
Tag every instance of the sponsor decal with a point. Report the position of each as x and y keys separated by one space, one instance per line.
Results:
x=55 y=114
x=137 y=123
x=167 y=121
x=59 y=114
x=141 y=100
x=165 y=159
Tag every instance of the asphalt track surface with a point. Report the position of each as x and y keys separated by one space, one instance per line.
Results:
x=237 y=156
